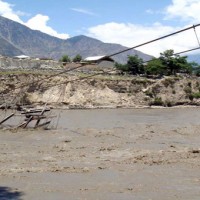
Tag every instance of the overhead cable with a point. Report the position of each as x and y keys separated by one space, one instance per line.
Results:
x=157 y=39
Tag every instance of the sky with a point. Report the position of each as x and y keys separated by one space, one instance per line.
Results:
x=125 y=22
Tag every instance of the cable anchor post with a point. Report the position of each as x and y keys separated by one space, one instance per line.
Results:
x=196 y=35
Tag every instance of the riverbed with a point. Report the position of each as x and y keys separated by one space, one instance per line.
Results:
x=103 y=154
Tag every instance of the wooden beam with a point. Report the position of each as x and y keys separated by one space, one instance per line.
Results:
x=28 y=121
x=45 y=123
x=7 y=118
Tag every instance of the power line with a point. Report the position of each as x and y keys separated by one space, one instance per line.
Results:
x=48 y=77
x=157 y=39
x=186 y=51
x=196 y=36
x=151 y=41
x=96 y=74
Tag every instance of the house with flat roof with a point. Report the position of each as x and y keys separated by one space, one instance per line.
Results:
x=97 y=59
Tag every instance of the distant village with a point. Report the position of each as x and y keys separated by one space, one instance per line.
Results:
x=27 y=62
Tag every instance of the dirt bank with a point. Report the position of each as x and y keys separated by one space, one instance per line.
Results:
x=77 y=91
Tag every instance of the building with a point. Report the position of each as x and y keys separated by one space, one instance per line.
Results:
x=97 y=59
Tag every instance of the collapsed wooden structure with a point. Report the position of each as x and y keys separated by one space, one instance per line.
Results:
x=37 y=115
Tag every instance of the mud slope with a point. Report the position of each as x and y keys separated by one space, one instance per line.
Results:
x=73 y=91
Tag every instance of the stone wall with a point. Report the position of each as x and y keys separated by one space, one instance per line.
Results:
x=12 y=63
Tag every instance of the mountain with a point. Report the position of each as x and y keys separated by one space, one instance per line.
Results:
x=8 y=49
x=194 y=58
x=19 y=39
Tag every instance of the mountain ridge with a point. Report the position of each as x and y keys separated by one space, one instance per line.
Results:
x=19 y=39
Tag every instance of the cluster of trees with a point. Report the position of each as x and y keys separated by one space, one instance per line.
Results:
x=167 y=64
x=67 y=59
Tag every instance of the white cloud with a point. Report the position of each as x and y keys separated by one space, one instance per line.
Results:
x=150 y=11
x=6 y=10
x=127 y=34
x=83 y=11
x=186 y=10
x=131 y=35
x=38 y=22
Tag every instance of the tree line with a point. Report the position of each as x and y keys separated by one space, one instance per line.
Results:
x=67 y=59
x=167 y=63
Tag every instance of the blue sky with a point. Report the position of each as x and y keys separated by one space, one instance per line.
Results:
x=127 y=22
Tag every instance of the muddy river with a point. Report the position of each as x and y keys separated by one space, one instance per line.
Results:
x=114 y=154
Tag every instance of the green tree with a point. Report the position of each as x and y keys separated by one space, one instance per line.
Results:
x=168 y=61
x=135 y=65
x=195 y=68
x=65 y=58
x=121 y=67
x=155 y=67
x=77 y=58
x=175 y=63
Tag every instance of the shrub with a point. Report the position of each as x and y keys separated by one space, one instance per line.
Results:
x=196 y=95
x=149 y=93
x=156 y=89
x=168 y=103
x=157 y=102
x=189 y=84
x=77 y=58
x=65 y=58
x=168 y=82
x=173 y=91
x=188 y=90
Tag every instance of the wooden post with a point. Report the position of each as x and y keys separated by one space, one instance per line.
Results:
x=21 y=125
x=38 y=121
x=7 y=118
x=45 y=123
x=29 y=120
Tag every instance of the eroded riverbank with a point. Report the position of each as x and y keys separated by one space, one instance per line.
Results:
x=77 y=91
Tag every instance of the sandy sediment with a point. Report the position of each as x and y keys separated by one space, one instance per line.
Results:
x=106 y=154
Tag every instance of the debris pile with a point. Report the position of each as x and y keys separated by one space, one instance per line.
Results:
x=38 y=117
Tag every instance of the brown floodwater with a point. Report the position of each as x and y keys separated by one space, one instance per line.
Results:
x=140 y=154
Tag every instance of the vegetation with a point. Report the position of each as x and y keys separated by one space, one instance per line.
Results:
x=65 y=58
x=167 y=64
x=134 y=65
x=77 y=58
x=155 y=67
x=157 y=102
x=196 y=95
x=196 y=69
x=168 y=82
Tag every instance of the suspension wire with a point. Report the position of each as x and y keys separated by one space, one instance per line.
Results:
x=78 y=79
x=157 y=39
x=89 y=76
x=101 y=73
x=196 y=36
x=194 y=49
x=174 y=54
x=151 y=41
x=48 y=77
x=113 y=70
x=71 y=69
